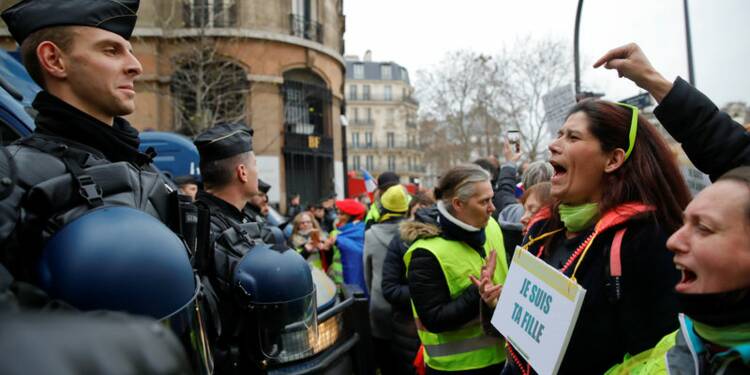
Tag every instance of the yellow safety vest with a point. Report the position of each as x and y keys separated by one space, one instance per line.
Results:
x=468 y=347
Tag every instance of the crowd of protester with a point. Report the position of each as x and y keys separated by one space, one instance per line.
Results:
x=667 y=275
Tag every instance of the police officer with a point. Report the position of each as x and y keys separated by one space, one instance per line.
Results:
x=80 y=175
x=230 y=180
x=233 y=255
x=255 y=207
x=79 y=52
x=230 y=176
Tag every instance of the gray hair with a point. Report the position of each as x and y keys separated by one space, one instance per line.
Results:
x=459 y=181
x=538 y=171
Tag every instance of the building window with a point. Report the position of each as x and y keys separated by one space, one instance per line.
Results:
x=389 y=115
x=390 y=139
x=355 y=139
x=207 y=91
x=352 y=92
x=385 y=72
x=404 y=75
x=369 y=162
x=369 y=115
x=306 y=102
x=355 y=162
x=391 y=163
x=355 y=114
x=303 y=20
x=368 y=139
x=387 y=93
x=359 y=71
x=210 y=13
x=366 y=92
x=410 y=164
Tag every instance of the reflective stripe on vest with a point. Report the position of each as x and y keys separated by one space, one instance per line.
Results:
x=458 y=347
x=466 y=347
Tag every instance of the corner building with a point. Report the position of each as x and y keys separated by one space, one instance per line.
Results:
x=383 y=130
x=276 y=65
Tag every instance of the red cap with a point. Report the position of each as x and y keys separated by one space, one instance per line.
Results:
x=351 y=207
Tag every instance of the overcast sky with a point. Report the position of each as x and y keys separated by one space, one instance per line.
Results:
x=418 y=33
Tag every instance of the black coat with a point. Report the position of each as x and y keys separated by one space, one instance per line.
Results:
x=609 y=327
x=505 y=191
x=711 y=139
x=429 y=290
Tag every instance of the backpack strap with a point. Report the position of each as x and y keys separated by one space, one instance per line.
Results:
x=615 y=265
x=73 y=160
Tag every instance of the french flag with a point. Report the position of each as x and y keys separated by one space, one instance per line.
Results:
x=370 y=183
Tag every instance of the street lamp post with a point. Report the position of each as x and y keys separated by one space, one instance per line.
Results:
x=691 y=75
x=576 y=57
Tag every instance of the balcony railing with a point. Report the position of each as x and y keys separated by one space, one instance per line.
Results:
x=363 y=121
x=382 y=98
x=363 y=146
x=305 y=28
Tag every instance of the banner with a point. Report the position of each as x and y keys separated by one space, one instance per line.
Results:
x=537 y=311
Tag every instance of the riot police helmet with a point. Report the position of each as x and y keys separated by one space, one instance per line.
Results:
x=277 y=289
x=122 y=259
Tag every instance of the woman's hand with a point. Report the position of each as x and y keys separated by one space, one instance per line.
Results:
x=509 y=151
x=310 y=248
x=631 y=63
x=489 y=292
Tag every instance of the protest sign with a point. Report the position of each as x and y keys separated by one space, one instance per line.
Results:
x=557 y=104
x=537 y=311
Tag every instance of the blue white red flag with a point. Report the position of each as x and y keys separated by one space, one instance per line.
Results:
x=370 y=183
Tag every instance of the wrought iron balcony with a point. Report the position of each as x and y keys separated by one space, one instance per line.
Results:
x=363 y=121
x=305 y=28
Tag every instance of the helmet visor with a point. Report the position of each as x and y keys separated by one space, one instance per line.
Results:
x=189 y=324
x=287 y=331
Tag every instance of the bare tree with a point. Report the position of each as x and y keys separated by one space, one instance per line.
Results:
x=206 y=86
x=449 y=93
x=534 y=67
x=473 y=98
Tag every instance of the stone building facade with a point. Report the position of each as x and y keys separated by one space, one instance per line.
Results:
x=383 y=132
x=275 y=65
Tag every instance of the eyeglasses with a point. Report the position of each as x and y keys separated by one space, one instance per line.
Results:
x=633 y=128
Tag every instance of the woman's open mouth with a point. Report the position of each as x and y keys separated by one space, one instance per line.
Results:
x=560 y=171
x=688 y=278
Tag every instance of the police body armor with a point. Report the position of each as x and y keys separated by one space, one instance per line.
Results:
x=69 y=180
x=263 y=295
x=77 y=209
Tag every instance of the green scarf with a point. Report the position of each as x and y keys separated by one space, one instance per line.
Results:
x=728 y=337
x=578 y=218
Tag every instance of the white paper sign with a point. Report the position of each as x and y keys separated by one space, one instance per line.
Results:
x=537 y=311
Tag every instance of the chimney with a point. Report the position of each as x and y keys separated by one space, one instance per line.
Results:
x=368 y=56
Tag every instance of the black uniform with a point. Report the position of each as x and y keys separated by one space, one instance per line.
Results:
x=71 y=164
x=74 y=162
x=231 y=234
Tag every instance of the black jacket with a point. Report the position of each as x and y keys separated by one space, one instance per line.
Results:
x=438 y=312
x=646 y=310
x=505 y=191
x=711 y=139
x=68 y=140
x=405 y=340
